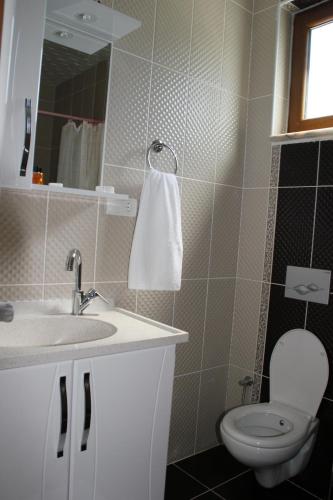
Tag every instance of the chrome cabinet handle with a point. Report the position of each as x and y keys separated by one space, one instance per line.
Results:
x=27 y=138
x=64 y=417
x=87 y=412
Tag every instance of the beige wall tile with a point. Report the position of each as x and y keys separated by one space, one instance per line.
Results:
x=263 y=53
x=71 y=224
x=202 y=128
x=183 y=416
x=21 y=292
x=167 y=115
x=264 y=4
x=124 y=180
x=211 y=407
x=22 y=229
x=128 y=111
x=61 y=291
x=258 y=145
x=173 y=33
x=225 y=236
x=253 y=233
x=235 y=390
x=119 y=294
x=197 y=204
x=140 y=41
x=236 y=50
x=247 y=4
x=156 y=305
x=219 y=317
x=114 y=242
x=190 y=316
x=207 y=40
x=246 y=324
x=231 y=139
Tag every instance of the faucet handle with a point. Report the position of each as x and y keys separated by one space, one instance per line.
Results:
x=93 y=293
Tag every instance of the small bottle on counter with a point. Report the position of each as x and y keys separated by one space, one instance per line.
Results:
x=37 y=176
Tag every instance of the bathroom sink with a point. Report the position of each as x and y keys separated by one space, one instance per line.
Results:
x=53 y=331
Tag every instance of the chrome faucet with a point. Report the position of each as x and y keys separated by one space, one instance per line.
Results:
x=81 y=300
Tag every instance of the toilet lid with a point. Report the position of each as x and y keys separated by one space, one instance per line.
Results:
x=299 y=371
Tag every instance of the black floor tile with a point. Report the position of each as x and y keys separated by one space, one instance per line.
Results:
x=208 y=496
x=284 y=314
x=298 y=165
x=212 y=467
x=246 y=487
x=293 y=230
x=179 y=486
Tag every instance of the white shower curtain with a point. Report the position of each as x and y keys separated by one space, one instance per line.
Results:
x=80 y=155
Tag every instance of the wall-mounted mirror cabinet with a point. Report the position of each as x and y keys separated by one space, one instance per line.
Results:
x=55 y=68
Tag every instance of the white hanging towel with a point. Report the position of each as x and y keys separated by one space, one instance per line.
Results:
x=157 y=248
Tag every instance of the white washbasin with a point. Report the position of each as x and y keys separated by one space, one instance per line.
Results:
x=53 y=331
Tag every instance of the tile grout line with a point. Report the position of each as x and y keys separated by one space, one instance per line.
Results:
x=313 y=226
x=303 y=489
x=209 y=488
x=200 y=371
x=184 y=149
x=241 y=212
x=186 y=73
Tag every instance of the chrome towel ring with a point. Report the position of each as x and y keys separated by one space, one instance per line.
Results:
x=157 y=146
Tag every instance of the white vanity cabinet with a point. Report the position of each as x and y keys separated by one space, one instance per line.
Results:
x=105 y=439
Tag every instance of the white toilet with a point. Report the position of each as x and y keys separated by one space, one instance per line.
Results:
x=276 y=439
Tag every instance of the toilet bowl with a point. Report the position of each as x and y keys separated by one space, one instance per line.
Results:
x=276 y=439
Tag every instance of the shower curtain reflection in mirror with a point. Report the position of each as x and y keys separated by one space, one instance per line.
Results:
x=80 y=155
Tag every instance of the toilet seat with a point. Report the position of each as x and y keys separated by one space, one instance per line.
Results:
x=299 y=371
x=235 y=425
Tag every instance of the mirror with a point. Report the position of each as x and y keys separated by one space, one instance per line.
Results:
x=71 y=110
x=73 y=91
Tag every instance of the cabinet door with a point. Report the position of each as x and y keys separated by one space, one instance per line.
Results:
x=122 y=456
x=32 y=405
x=21 y=54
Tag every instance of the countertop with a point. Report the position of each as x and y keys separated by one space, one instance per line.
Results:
x=133 y=332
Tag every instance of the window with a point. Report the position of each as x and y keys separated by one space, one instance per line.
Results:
x=311 y=92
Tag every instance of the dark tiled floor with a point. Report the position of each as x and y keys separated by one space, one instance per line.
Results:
x=215 y=474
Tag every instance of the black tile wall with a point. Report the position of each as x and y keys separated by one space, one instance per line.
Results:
x=264 y=390
x=303 y=237
x=284 y=314
x=320 y=322
x=293 y=230
x=326 y=163
x=316 y=477
x=299 y=164
x=323 y=236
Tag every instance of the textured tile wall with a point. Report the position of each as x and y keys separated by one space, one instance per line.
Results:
x=257 y=204
x=182 y=78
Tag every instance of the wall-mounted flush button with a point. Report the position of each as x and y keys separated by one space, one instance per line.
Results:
x=304 y=283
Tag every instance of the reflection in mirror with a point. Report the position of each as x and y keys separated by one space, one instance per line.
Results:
x=71 y=109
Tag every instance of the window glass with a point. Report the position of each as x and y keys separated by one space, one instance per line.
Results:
x=319 y=101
